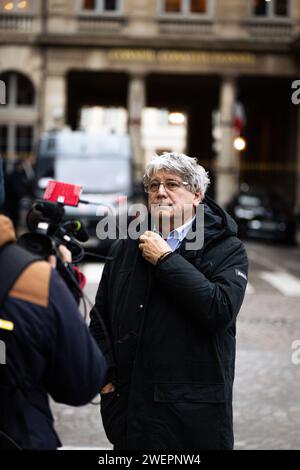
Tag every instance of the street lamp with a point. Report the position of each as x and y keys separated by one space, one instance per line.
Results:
x=239 y=144
x=176 y=118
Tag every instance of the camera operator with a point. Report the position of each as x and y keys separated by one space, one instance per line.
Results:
x=48 y=347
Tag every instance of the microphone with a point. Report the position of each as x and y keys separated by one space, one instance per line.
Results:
x=78 y=229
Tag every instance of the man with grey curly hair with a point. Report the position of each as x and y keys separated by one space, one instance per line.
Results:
x=186 y=167
x=184 y=184
x=169 y=313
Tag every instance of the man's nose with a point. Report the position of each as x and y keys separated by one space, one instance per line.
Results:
x=161 y=190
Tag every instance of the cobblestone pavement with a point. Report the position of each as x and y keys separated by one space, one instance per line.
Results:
x=267 y=384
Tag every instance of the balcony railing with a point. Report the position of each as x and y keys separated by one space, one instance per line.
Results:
x=269 y=29
x=20 y=23
x=186 y=27
x=93 y=24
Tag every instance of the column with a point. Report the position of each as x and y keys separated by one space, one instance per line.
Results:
x=54 y=113
x=2 y=92
x=12 y=126
x=12 y=141
x=227 y=162
x=136 y=103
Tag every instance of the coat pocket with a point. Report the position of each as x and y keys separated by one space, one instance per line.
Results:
x=113 y=416
x=189 y=393
x=190 y=416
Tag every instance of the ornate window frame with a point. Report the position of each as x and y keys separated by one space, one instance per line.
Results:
x=270 y=15
x=99 y=10
x=186 y=13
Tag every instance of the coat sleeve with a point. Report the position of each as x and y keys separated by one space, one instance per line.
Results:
x=215 y=302
x=76 y=369
x=100 y=324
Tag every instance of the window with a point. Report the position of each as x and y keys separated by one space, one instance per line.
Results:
x=101 y=6
x=89 y=4
x=3 y=140
x=173 y=6
x=198 y=6
x=186 y=7
x=282 y=8
x=25 y=91
x=271 y=8
x=110 y=5
x=16 y=6
x=16 y=138
x=260 y=7
x=19 y=90
x=24 y=140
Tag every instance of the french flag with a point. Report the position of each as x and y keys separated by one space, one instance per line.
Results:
x=239 y=122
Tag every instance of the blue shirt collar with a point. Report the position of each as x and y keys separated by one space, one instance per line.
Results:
x=177 y=235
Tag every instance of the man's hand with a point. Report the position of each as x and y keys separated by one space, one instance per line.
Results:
x=153 y=246
x=7 y=230
x=65 y=254
x=108 y=388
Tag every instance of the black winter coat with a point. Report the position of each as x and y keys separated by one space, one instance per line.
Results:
x=170 y=340
x=50 y=351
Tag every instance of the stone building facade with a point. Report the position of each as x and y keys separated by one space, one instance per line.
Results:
x=193 y=55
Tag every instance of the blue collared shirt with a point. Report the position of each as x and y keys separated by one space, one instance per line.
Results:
x=176 y=237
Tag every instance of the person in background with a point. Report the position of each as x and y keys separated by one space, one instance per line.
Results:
x=19 y=184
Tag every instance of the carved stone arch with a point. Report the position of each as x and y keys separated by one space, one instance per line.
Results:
x=24 y=93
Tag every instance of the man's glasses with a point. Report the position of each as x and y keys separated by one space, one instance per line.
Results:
x=170 y=186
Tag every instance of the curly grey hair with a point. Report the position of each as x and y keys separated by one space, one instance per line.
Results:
x=186 y=167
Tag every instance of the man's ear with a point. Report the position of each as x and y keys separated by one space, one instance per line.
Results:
x=197 y=198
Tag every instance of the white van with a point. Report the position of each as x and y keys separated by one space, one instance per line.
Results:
x=100 y=163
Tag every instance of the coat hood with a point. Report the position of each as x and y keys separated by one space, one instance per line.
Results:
x=217 y=222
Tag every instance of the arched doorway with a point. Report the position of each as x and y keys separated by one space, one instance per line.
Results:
x=17 y=123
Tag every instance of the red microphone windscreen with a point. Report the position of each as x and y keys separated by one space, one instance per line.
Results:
x=65 y=193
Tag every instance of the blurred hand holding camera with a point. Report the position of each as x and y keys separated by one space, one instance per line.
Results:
x=66 y=256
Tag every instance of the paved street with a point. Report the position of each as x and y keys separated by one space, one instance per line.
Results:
x=267 y=397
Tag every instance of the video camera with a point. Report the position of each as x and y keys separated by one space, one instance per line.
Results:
x=47 y=225
x=48 y=229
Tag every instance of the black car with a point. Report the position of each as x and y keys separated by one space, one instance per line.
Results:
x=263 y=214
